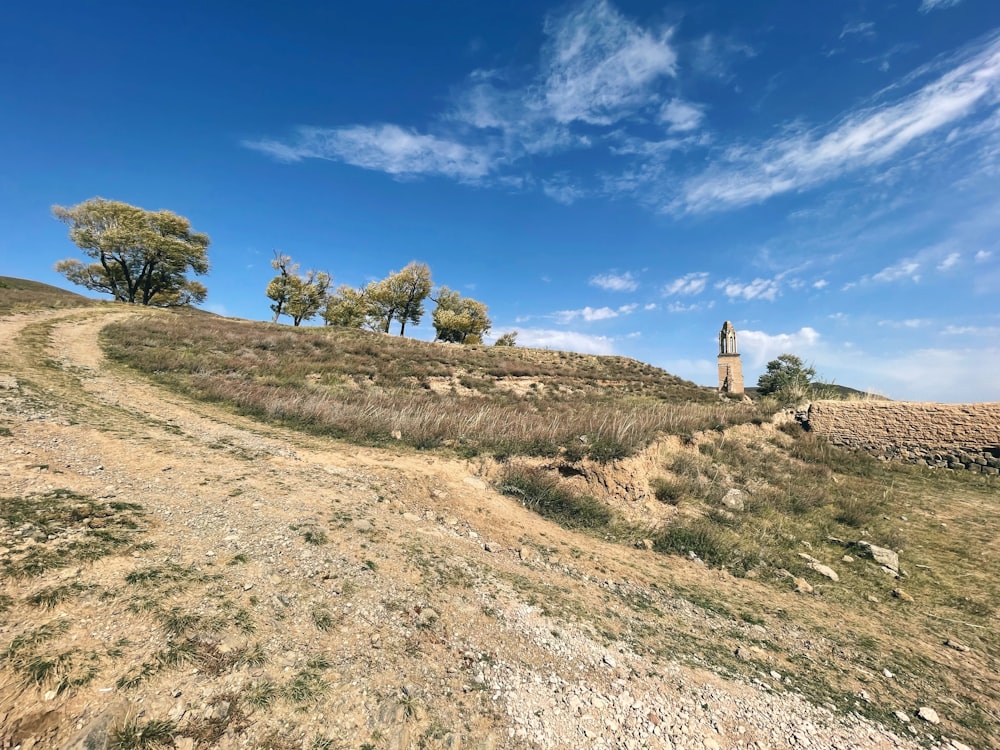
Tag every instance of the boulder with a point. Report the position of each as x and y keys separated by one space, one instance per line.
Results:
x=735 y=499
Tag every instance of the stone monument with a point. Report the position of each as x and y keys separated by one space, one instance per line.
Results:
x=730 y=367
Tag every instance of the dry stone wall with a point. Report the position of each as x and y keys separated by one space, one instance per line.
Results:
x=949 y=436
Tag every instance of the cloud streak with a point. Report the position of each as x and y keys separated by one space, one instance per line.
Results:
x=752 y=174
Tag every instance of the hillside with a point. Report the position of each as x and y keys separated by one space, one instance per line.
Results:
x=22 y=294
x=186 y=563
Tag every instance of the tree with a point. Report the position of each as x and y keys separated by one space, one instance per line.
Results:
x=400 y=296
x=297 y=296
x=507 y=339
x=142 y=257
x=458 y=319
x=348 y=308
x=787 y=379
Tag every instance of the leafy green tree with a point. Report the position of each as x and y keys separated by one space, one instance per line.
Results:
x=458 y=319
x=141 y=256
x=787 y=379
x=400 y=296
x=298 y=296
x=348 y=308
x=507 y=339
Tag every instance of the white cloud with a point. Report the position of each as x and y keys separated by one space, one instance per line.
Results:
x=859 y=28
x=386 y=148
x=572 y=341
x=614 y=282
x=928 y=5
x=905 y=269
x=991 y=331
x=909 y=323
x=650 y=306
x=756 y=289
x=820 y=284
x=592 y=314
x=760 y=347
x=800 y=159
x=681 y=116
x=599 y=65
x=680 y=307
x=942 y=375
x=562 y=192
x=983 y=256
x=690 y=283
x=950 y=261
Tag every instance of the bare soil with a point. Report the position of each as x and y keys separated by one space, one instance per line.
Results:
x=285 y=590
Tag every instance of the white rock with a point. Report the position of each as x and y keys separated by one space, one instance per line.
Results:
x=929 y=715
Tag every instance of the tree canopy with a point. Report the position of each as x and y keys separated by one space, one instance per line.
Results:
x=400 y=296
x=787 y=379
x=301 y=297
x=458 y=319
x=140 y=256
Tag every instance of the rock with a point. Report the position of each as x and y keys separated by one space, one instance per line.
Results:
x=824 y=570
x=610 y=661
x=734 y=499
x=412 y=517
x=902 y=595
x=646 y=544
x=902 y=716
x=929 y=715
x=427 y=617
x=184 y=743
x=881 y=555
x=524 y=553
x=492 y=547
x=362 y=525
x=847 y=559
x=802 y=586
x=952 y=643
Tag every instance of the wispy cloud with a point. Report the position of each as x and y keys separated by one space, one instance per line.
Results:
x=572 y=341
x=681 y=116
x=820 y=284
x=614 y=282
x=688 y=284
x=983 y=255
x=600 y=66
x=592 y=314
x=680 y=307
x=950 y=261
x=928 y=5
x=386 y=148
x=798 y=160
x=907 y=270
x=858 y=28
x=909 y=323
x=756 y=289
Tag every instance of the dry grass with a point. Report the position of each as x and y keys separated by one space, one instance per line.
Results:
x=373 y=389
x=18 y=295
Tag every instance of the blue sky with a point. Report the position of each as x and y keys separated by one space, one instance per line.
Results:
x=607 y=177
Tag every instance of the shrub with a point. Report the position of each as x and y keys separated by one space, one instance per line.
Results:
x=543 y=494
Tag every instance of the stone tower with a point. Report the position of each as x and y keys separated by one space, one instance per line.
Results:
x=730 y=367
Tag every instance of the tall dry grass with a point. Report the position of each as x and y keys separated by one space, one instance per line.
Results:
x=373 y=389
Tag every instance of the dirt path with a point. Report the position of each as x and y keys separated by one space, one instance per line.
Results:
x=283 y=590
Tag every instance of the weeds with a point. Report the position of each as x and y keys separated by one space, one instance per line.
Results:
x=134 y=734
x=542 y=493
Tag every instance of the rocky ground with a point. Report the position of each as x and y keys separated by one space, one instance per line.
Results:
x=261 y=588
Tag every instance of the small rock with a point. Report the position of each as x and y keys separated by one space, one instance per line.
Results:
x=427 y=617
x=902 y=595
x=902 y=716
x=802 y=586
x=492 y=547
x=929 y=715
x=362 y=525
x=952 y=643
x=183 y=743
x=734 y=499
x=610 y=661
x=646 y=544
x=824 y=570
x=69 y=573
x=524 y=553
x=847 y=559
x=247 y=586
x=412 y=517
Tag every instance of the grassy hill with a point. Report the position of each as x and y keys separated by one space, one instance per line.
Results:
x=375 y=389
x=21 y=294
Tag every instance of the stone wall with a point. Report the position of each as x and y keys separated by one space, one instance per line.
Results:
x=952 y=436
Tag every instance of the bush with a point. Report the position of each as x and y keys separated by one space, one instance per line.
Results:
x=541 y=492
x=698 y=537
x=667 y=491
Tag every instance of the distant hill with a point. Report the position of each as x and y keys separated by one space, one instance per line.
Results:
x=21 y=294
x=832 y=391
